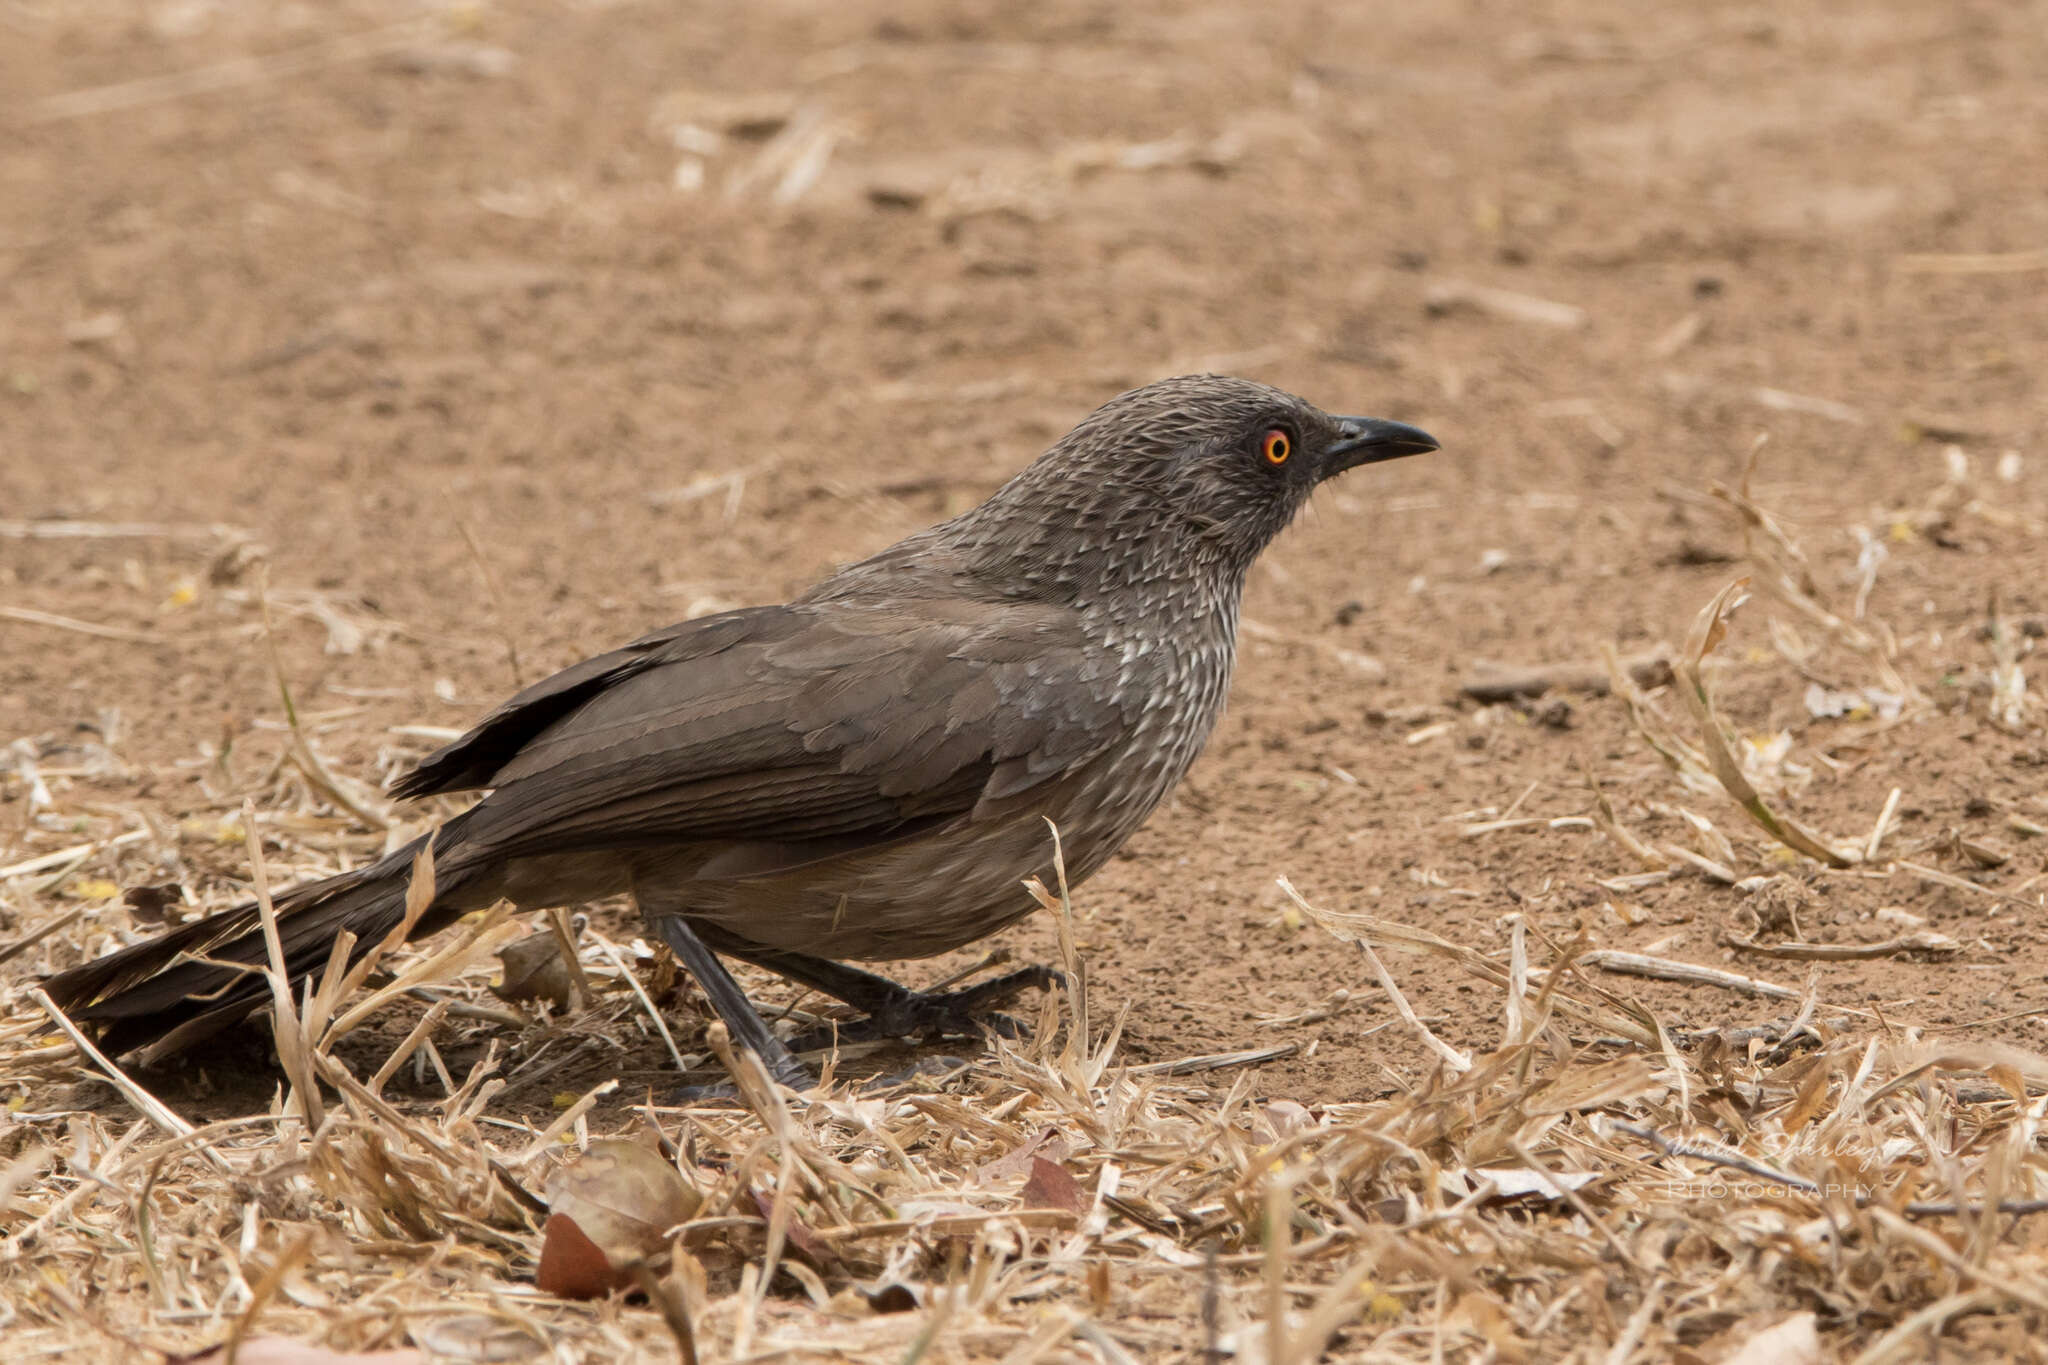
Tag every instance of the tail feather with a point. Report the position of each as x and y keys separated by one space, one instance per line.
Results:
x=183 y=986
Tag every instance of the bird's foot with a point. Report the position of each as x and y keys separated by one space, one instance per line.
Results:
x=744 y=1029
x=724 y=1093
x=964 y=1013
x=784 y=1068
x=921 y=1073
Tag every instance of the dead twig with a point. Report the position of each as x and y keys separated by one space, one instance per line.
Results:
x=1492 y=682
x=1922 y=941
x=228 y=75
x=1688 y=973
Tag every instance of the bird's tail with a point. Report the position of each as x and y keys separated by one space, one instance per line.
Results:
x=184 y=986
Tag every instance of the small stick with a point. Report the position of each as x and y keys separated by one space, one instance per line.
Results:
x=565 y=942
x=1922 y=941
x=75 y=852
x=1279 y=1244
x=1708 y=868
x=751 y=1074
x=488 y=934
x=1973 y=263
x=1365 y=665
x=120 y=530
x=1884 y=823
x=1949 y=879
x=1453 y=1058
x=29 y=616
x=955 y=1223
x=1668 y=969
x=995 y=957
x=1632 y=882
x=1733 y=1161
x=1778 y=400
x=1443 y=295
x=1678 y=336
x=428 y=1021
x=152 y=1108
x=1609 y=824
x=563 y=1122
x=227 y=75
x=1473 y=831
x=35 y=936
x=469 y=1009
x=1489 y=681
x=1215 y=1061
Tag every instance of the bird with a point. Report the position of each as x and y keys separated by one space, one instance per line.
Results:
x=863 y=773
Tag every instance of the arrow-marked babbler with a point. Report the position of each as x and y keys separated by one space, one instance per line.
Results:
x=865 y=772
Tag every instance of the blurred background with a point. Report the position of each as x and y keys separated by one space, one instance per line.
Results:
x=549 y=323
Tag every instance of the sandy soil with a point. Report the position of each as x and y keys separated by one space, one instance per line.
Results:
x=575 y=278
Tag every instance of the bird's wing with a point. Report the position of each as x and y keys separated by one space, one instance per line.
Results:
x=798 y=729
x=474 y=761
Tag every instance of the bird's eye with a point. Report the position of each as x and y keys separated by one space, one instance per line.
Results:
x=1276 y=446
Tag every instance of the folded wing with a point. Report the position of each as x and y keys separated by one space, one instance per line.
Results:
x=800 y=729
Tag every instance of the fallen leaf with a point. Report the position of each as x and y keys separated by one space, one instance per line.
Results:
x=478 y=1337
x=533 y=970
x=1286 y=1117
x=1050 y=1187
x=609 y=1207
x=1795 y=1341
x=1048 y=1143
x=573 y=1266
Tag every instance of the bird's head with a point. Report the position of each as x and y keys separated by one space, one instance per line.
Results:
x=1203 y=462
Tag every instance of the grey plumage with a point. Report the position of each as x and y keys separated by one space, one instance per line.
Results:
x=866 y=771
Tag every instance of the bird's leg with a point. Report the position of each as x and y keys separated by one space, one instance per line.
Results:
x=731 y=1002
x=894 y=1010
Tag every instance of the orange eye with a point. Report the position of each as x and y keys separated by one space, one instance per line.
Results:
x=1276 y=446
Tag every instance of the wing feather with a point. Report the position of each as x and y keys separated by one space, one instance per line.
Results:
x=795 y=729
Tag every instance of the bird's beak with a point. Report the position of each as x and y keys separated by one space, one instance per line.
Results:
x=1368 y=440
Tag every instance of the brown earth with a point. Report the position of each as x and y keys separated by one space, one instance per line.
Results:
x=356 y=302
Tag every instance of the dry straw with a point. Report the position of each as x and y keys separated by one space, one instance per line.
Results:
x=1588 y=1181
x=1548 y=1192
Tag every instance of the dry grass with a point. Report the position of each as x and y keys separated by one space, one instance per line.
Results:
x=1592 y=1183
x=1588 y=1186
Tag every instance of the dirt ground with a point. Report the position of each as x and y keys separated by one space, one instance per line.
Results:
x=669 y=308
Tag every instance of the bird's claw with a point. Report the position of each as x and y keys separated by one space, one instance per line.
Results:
x=919 y=1072
x=963 y=1013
